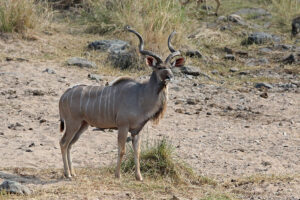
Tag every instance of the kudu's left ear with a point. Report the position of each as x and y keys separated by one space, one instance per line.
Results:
x=151 y=62
x=179 y=62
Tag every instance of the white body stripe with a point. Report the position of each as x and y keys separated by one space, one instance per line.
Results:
x=108 y=104
x=72 y=95
x=80 y=102
x=113 y=103
x=88 y=101
x=102 y=91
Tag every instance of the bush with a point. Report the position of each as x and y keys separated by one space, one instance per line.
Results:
x=19 y=16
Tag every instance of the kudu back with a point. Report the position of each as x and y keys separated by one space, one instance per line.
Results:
x=125 y=104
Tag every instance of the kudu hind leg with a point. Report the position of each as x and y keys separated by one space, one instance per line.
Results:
x=83 y=128
x=122 y=136
x=71 y=129
x=136 y=143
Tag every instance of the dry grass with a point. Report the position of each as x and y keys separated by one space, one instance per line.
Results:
x=155 y=20
x=92 y=183
x=19 y=16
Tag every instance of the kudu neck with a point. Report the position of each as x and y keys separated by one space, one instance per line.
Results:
x=155 y=85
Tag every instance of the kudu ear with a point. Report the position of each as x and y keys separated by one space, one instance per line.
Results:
x=151 y=62
x=179 y=62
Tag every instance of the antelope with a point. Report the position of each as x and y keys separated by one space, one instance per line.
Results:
x=124 y=104
x=204 y=1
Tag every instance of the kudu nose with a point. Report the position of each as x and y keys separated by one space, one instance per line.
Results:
x=169 y=78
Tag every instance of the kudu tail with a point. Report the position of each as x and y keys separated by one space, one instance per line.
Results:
x=62 y=125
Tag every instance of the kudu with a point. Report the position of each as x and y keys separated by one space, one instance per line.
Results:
x=124 y=104
x=204 y=1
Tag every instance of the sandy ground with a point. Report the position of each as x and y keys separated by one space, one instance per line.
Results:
x=224 y=134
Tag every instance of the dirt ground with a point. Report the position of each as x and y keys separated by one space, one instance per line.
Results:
x=224 y=134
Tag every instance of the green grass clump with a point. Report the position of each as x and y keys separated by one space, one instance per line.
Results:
x=157 y=161
x=19 y=16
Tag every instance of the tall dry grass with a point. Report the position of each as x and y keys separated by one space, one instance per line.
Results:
x=19 y=16
x=155 y=19
x=285 y=10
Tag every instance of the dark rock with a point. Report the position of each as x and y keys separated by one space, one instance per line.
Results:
x=264 y=95
x=257 y=62
x=192 y=101
x=265 y=50
x=206 y=7
x=295 y=26
x=208 y=113
x=265 y=163
x=292 y=58
x=31 y=145
x=1 y=133
x=129 y=139
x=179 y=110
x=228 y=50
x=42 y=121
x=34 y=92
x=95 y=77
x=287 y=85
x=189 y=70
x=261 y=38
x=253 y=12
x=111 y=46
x=242 y=53
x=14 y=188
x=229 y=57
x=193 y=53
x=28 y=150
x=8 y=59
x=284 y=47
x=263 y=85
x=244 y=73
x=178 y=101
x=81 y=62
x=124 y=60
x=14 y=126
x=49 y=71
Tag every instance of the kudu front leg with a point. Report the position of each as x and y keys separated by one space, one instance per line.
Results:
x=122 y=136
x=136 y=143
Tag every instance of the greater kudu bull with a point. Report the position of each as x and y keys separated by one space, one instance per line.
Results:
x=124 y=104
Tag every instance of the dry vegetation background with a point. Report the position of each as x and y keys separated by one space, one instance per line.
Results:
x=53 y=31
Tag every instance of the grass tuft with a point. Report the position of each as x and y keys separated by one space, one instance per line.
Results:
x=157 y=161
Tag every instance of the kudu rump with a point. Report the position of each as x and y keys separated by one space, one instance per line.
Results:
x=124 y=104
